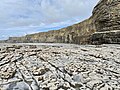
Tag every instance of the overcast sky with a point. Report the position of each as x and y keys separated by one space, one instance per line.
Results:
x=20 y=17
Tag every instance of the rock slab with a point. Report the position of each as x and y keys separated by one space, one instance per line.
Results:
x=59 y=67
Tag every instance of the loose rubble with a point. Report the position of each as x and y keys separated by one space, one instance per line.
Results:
x=59 y=67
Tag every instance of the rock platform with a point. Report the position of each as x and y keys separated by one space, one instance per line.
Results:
x=59 y=67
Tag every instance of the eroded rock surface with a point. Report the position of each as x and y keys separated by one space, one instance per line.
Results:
x=110 y=37
x=59 y=67
x=107 y=22
x=107 y=15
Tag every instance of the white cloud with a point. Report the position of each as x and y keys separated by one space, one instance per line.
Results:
x=43 y=13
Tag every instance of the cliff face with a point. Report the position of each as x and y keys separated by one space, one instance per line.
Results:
x=107 y=15
x=107 y=22
x=78 y=34
x=102 y=27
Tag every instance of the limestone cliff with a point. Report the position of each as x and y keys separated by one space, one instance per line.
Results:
x=78 y=34
x=102 y=27
x=107 y=15
x=107 y=21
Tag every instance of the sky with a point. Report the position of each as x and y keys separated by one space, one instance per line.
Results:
x=21 y=17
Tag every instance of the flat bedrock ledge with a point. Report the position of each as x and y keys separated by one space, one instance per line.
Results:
x=109 y=37
x=59 y=67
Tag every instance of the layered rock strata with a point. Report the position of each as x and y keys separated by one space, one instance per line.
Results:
x=109 y=37
x=107 y=15
x=107 y=22
x=78 y=34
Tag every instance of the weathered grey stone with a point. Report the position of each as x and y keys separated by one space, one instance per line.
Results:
x=95 y=68
x=18 y=86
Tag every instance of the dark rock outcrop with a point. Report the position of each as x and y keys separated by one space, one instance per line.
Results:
x=106 y=17
x=107 y=22
x=109 y=37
